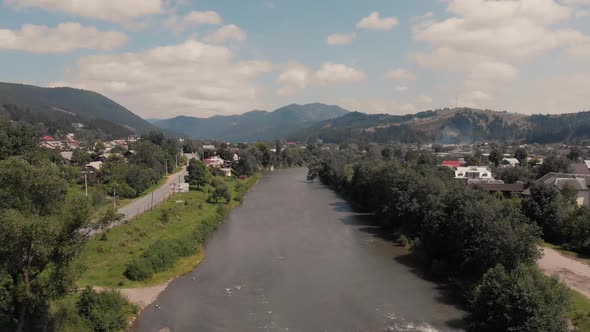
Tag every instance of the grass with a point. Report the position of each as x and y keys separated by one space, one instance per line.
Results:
x=579 y=312
x=106 y=260
x=577 y=256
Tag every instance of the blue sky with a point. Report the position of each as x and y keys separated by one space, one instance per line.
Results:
x=162 y=58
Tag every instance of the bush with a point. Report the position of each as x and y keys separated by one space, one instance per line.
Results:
x=520 y=300
x=104 y=311
x=164 y=215
x=158 y=257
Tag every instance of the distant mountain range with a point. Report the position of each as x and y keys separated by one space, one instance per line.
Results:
x=58 y=108
x=459 y=125
x=255 y=125
x=81 y=106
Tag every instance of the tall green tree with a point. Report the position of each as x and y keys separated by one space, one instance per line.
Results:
x=496 y=157
x=522 y=300
x=221 y=190
x=198 y=174
x=521 y=155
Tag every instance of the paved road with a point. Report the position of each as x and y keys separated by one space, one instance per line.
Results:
x=574 y=273
x=143 y=204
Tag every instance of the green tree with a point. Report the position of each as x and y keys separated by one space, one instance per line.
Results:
x=521 y=155
x=246 y=165
x=575 y=154
x=36 y=255
x=104 y=311
x=496 y=157
x=265 y=154
x=522 y=300
x=554 y=163
x=221 y=190
x=198 y=174
x=80 y=157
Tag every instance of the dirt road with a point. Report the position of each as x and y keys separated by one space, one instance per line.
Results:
x=572 y=272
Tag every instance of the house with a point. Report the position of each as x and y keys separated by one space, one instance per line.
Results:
x=67 y=156
x=474 y=173
x=47 y=138
x=214 y=161
x=581 y=168
x=506 y=189
x=510 y=162
x=94 y=165
x=578 y=182
x=226 y=171
x=209 y=147
x=451 y=163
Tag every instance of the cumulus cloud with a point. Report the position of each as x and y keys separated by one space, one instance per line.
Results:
x=424 y=100
x=194 y=18
x=476 y=99
x=226 y=33
x=376 y=106
x=64 y=38
x=401 y=88
x=400 y=74
x=110 y=10
x=296 y=76
x=334 y=73
x=192 y=78
x=341 y=39
x=375 y=22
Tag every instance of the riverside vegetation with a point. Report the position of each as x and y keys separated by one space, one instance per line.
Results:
x=484 y=246
x=46 y=217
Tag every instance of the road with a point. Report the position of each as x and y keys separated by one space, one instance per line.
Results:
x=574 y=273
x=144 y=203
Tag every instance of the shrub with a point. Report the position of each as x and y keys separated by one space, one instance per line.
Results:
x=158 y=257
x=104 y=311
x=164 y=216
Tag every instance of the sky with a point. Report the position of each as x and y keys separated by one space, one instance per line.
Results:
x=164 y=58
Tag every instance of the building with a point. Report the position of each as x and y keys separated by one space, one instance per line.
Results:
x=451 y=163
x=226 y=171
x=578 y=182
x=474 y=173
x=214 y=161
x=506 y=189
x=209 y=147
x=94 y=165
x=581 y=168
x=67 y=156
x=510 y=162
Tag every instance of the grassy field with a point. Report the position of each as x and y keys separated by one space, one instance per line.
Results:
x=105 y=260
x=579 y=312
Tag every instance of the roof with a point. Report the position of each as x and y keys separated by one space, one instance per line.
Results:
x=209 y=147
x=580 y=168
x=561 y=180
x=500 y=187
x=452 y=163
x=47 y=138
x=587 y=162
x=67 y=155
x=95 y=164
x=577 y=183
x=512 y=160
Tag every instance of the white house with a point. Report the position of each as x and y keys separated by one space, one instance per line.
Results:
x=480 y=173
x=510 y=162
x=578 y=182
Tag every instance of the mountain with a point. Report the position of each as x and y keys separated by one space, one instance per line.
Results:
x=459 y=125
x=87 y=105
x=254 y=125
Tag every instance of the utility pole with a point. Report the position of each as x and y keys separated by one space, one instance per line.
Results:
x=166 y=163
x=152 y=206
x=86 y=183
x=114 y=196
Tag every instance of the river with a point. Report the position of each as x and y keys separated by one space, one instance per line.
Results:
x=294 y=257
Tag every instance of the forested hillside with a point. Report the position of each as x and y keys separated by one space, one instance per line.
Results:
x=87 y=105
x=461 y=125
x=255 y=125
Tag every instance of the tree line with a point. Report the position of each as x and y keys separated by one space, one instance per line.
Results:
x=484 y=246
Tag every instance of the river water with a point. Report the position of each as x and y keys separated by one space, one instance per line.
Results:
x=294 y=257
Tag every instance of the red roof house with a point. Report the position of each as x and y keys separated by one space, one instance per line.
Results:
x=47 y=138
x=451 y=163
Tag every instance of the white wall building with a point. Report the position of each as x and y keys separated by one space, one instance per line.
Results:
x=481 y=173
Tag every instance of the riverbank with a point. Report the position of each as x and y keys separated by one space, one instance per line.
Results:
x=104 y=259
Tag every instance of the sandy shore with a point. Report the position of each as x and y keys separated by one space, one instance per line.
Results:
x=574 y=273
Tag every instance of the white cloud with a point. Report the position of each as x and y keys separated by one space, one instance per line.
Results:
x=194 y=18
x=192 y=78
x=401 y=88
x=424 y=100
x=334 y=73
x=296 y=75
x=110 y=10
x=341 y=39
x=475 y=99
x=229 y=32
x=577 y=2
x=400 y=74
x=376 y=106
x=493 y=71
x=582 y=13
x=580 y=50
x=375 y=22
x=64 y=38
